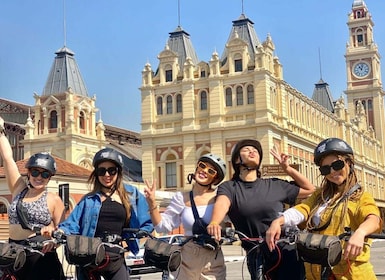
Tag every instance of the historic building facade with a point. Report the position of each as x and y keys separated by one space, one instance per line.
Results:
x=191 y=107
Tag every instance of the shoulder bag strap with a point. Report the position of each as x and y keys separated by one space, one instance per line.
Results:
x=21 y=211
x=346 y=196
x=193 y=207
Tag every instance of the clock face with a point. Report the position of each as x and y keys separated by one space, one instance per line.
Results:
x=361 y=69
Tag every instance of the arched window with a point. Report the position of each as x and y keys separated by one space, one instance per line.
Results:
x=171 y=176
x=239 y=95
x=169 y=104
x=168 y=73
x=179 y=103
x=53 y=119
x=359 y=37
x=81 y=120
x=203 y=100
x=159 y=106
x=238 y=67
x=229 y=97
x=250 y=94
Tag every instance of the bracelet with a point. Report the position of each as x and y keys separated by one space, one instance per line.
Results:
x=213 y=223
x=154 y=208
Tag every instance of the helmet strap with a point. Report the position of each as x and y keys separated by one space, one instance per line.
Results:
x=191 y=177
x=248 y=168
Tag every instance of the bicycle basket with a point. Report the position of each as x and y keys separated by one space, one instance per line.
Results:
x=83 y=250
x=162 y=255
x=12 y=255
x=319 y=249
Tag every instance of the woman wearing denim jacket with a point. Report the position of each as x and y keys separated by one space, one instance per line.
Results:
x=107 y=209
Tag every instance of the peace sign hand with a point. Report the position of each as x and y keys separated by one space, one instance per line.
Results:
x=149 y=191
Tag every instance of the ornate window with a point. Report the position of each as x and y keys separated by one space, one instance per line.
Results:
x=250 y=94
x=239 y=95
x=229 y=97
x=179 y=103
x=169 y=104
x=53 y=119
x=81 y=120
x=168 y=74
x=171 y=176
x=203 y=100
x=159 y=106
x=238 y=65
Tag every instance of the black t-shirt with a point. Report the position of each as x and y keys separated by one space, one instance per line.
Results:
x=254 y=205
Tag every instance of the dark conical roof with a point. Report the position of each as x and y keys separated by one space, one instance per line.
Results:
x=180 y=43
x=243 y=27
x=64 y=74
x=322 y=95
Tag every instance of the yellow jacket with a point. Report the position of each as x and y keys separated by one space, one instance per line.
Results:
x=356 y=214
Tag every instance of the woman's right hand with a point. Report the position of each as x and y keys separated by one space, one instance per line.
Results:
x=149 y=191
x=273 y=234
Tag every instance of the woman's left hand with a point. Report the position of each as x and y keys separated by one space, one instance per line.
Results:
x=354 y=245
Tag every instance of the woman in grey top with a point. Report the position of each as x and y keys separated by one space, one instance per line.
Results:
x=44 y=210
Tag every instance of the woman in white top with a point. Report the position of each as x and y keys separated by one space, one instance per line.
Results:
x=198 y=261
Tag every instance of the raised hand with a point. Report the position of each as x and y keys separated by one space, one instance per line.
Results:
x=283 y=159
x=149 y=191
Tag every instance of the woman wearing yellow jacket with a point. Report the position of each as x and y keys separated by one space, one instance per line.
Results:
x=331 y=203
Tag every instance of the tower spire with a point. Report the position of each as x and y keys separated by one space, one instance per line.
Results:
x=64 y=23
x=178 y=12
x=320 y=65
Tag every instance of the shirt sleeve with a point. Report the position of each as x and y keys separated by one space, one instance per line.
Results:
x=367 y=206
x=171 y=218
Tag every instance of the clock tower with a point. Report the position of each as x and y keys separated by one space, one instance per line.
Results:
x=364 y=86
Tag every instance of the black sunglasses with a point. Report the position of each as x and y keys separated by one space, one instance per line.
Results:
x=204 y=166
x=337 y=165
x=44 y=174
x=101 y=171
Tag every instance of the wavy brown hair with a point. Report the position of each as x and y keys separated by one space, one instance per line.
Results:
x=331 y=194
x=96 y=186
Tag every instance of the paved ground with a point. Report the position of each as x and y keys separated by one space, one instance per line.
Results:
x=237 y=269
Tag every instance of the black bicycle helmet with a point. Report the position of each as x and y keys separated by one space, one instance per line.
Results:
x=237 y=148
x=108 y=154
x=330 y=146
x=218 y=163
x=42 y=160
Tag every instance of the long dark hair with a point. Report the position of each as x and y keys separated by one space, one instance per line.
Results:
x=96 y=186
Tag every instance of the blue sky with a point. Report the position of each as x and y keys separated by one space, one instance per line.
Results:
x=114 y=39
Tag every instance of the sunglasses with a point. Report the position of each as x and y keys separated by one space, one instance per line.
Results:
x=44 y=174
x=212 y=172
x=337 y=165
x=101 y=171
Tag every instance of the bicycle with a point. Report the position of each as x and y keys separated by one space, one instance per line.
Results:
x=14 y=255
x=326 y=271
x=256 y=247
x=93 y=259
x=163 y=262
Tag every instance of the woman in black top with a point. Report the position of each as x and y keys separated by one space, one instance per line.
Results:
x=252 y=203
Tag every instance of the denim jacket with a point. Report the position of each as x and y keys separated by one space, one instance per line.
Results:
x=84 y=217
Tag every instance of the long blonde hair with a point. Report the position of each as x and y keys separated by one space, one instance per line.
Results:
x=96 y=186
x=331 y=194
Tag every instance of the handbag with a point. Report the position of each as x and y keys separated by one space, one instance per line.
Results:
x=12 y=255
x=84 y=251
x=315 y=248
x=162 y=255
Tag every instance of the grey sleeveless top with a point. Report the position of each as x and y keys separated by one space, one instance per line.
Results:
x=38 y=214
